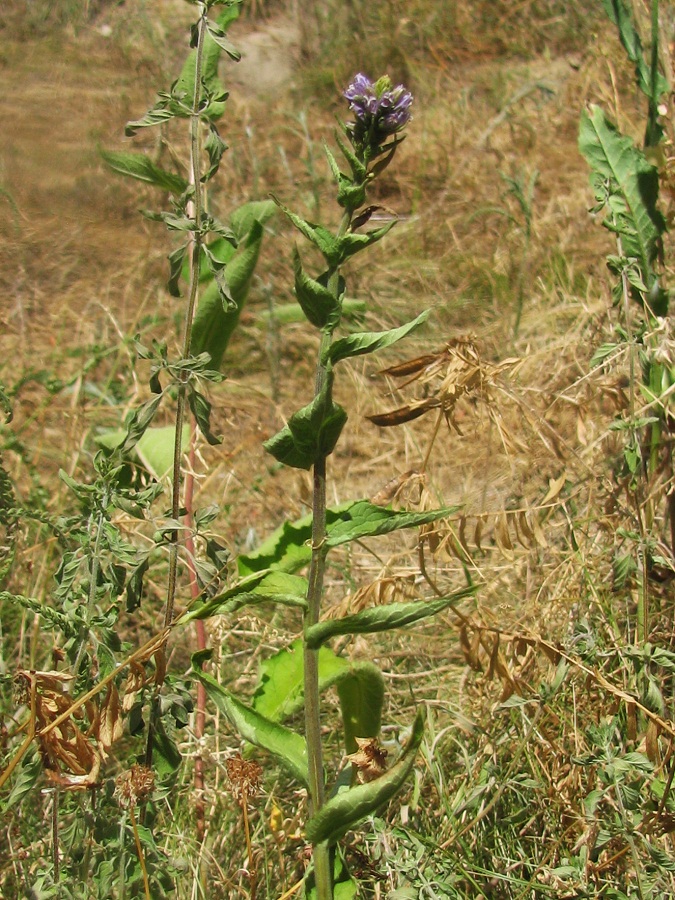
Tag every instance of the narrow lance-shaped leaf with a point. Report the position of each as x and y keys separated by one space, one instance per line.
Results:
x=287 y=549
x=276 y=587
x=365 y=519
x=383 y=618
x=323 y=240
x=141 y=167
x=290 y=748
x=369 y=342
x=346 y=809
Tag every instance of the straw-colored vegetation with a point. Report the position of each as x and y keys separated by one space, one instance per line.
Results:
x=546 y=766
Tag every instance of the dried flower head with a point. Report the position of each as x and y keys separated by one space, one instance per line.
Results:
x=370 y=759
x=244 y=776
x=133 y=785
x=379 y=108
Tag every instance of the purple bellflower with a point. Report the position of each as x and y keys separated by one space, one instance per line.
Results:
x=379 y=108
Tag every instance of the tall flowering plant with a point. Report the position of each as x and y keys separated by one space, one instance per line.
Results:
x=296 y=677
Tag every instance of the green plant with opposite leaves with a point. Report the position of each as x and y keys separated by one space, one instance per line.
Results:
x=296 y=677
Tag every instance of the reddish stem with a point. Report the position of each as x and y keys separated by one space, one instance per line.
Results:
x=200 y=714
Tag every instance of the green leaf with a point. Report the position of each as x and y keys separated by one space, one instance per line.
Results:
x=214 y=146
x=25 y=780
x=318 y=304
x=289 y=313
x=141 y=167
x=201 y=410
x=633 y=189
x=620 y=15
x=185 y=84
x=290 y=748
x=344 y=886
x=365 y=519
x=346 y=809
x=369 y=342
x=361 y=692
x=217 y=33
x=322 y=239
x=350 y=244
x=214 y=324
x=383 y=618
x=154 y=449
x=167 y=757
x=286 y=549
x=245 y=216
x=281 y=690
x=311 y=432
x=275 y=587
x=139 y=422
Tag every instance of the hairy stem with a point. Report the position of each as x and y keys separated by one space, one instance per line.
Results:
x=195 y=168
x=321 y=852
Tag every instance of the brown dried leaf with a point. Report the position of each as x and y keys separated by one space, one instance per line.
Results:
x=631 y=721
x=478 y=533
x=134 y=683
x=502 y=535
x=110 y=725
x=471 y=648
x=555 y=485
x=403 y=414
x=525 y=529
x=392 y=488
x=652 y=741
x=411 y=366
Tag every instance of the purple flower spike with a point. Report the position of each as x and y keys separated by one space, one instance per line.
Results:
x=379 y=108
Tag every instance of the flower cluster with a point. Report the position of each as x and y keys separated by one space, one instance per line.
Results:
x=380 y=109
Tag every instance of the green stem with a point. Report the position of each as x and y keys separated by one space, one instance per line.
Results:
x=176 y=477
x=321 y=853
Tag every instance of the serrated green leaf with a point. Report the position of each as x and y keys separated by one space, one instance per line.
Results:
x=369 y=342
x=383 y=618
x=275 y=587
x=322 y=239
x=214 y=324
x=345 y=810
x=287 y=549
x=365 y=519
x=350 y=244
x=25 y=780
x=290 y=748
